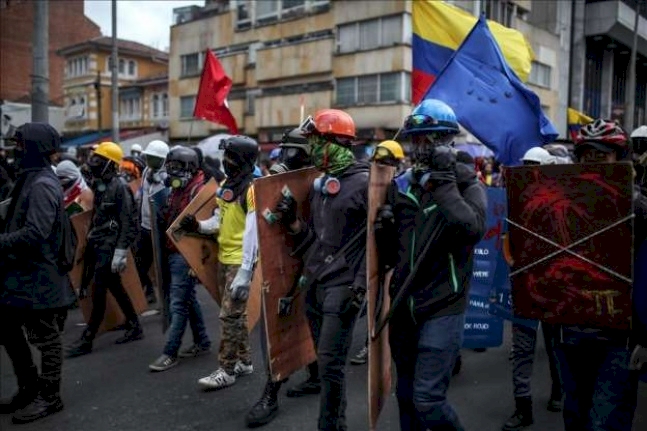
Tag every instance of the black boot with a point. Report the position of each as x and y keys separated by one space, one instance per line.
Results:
x=555 y=402
x=81 y=347
x=133 y=333
x=522 y=416
x=312 y=386
x=266 y=408
x=27 y=392
x=46 y=403
x=457 y=365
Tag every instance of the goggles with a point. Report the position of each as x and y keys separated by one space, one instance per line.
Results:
x=424 y=122
x=382 y=153
x=308 y=126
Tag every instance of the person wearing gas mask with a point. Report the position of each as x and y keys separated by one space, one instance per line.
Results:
x=234 y=223
x=333 y=246
x=78 y=196
x=433 y=217
x=185 y=181
x=295 y=154
x=153 y=182
x=112 y=232
x=34 y=294
x=136 y=150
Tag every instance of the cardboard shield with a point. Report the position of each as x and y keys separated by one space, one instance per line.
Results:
x=379 y=351
x=290 y=345
x=129 y=278
x=201 y=251
x=571 y=239
x=156 y=203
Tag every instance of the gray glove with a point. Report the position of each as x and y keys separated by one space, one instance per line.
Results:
x=240 y=286
x=119 y=261
x=638 y=358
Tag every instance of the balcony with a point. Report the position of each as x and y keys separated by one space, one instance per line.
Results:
x=615 y=19
x=295 y=59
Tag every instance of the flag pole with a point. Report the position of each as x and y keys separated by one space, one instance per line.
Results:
x=302 y=111
x=190 y=131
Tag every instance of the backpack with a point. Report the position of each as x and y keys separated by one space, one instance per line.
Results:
x=67 y=249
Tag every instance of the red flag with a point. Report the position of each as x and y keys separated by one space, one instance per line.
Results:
x=211 y=102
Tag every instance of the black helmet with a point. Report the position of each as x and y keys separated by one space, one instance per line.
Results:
x=295 y=138
x=182 y=158
x=243 y=150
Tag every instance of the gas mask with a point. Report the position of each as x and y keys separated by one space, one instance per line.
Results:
x=178 y=177
x=154 y=163
x=294 y=158
x=425 y=147
x=231 y=169
x=99 y=166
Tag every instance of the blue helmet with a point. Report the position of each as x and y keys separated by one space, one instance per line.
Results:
x=275 y=154
x=431 y=115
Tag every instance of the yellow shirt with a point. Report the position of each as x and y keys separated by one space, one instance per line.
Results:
x=232 y=228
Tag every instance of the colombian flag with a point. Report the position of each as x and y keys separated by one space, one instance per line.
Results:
x=439 y=29
x=576 y=120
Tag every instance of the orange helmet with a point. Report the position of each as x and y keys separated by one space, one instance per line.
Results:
x=330 y=122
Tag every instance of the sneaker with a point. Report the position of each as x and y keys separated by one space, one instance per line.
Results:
x=194 y=351
x=163 y=363
x=219 y=379
x=242 y=369
x=361 y=357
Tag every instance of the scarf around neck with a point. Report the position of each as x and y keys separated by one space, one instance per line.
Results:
x=330 y=157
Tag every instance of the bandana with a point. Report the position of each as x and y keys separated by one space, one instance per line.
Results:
x=330 y=157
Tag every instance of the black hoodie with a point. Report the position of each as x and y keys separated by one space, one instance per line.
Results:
x=31 y=238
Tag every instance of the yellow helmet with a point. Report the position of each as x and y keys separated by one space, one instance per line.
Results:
x=110 y=151
x=389 y=149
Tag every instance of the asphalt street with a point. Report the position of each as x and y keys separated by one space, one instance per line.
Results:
x=112 y=389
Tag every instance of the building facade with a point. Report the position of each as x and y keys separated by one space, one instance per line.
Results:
x=143 y=83
x=354 y=55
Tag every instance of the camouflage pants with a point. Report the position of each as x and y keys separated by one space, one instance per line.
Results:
x=234 y=338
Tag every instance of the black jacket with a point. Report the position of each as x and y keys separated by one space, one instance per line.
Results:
x=440 y=286
x=31 y=236
x=334 y=220
x=115 y=221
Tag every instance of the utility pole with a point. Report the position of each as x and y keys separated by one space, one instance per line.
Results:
x=631 y=90
x=97 y=88
x=40 y=68
x=115 y=76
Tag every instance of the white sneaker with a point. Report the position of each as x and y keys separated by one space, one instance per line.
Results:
x=219 y=379
x=243 y=370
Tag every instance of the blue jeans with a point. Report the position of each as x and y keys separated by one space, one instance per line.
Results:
x=424 y=356
x=601 y=392
x=184 y=307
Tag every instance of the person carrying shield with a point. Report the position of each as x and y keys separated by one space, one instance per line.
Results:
x=333 y=245
x=234 y=221
x=433 y=217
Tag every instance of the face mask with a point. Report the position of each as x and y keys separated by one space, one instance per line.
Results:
x=231 y=169
x=178 y=181
x=154 y=163
x=329 y=156
x=294 y=158
x=19 y=156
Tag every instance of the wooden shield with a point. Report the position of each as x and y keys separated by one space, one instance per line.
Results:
x=571 y=239
x=379 y=351
x=288 y=337
x=129 y=278
x=201 y=251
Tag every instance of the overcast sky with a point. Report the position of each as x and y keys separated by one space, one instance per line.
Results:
x=144 y=21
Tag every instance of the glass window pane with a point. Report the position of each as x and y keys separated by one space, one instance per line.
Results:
x=407 y=87
x=369 y=36
x=347 y=35
x=389 y=87
x=186 y=106
x=266 y=7
x=131 y=68
x=367 y=89
x=346 y=91
x=288 y=4
x=392 y=30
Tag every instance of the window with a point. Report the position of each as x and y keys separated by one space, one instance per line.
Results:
x=165 y=105
x=76 y=108
x=346 y=91
x=243 y=11
x=293 y=4
x=122 y=66
x=190 y=64
x=130 y=109
x=367 y=89
x=540 y=74
x=132 y=68
x=371 y=34
x=77 y=67
x=155 y=105
x=186 y=106
x=501 y=11
x=371 y=89
x=267 y=11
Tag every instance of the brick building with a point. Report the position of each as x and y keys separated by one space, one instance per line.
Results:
x=68 y=25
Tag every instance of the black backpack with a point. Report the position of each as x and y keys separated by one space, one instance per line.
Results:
x=67 y=249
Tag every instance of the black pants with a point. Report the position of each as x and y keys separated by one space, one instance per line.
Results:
x=40 y=328
x=105 y=280
x=332 y=317
x=144 y=259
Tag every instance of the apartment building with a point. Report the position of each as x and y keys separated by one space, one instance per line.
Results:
x=143 y=86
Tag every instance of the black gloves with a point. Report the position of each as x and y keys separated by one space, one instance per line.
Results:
x=287 y=208
x=189 y=223
x=465 y=175
x=442 y=165
x=359 y=293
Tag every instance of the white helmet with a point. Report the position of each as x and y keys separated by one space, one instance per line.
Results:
x=136 y=148
x=156 y=149
x=538 y=155
x=640 y=132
